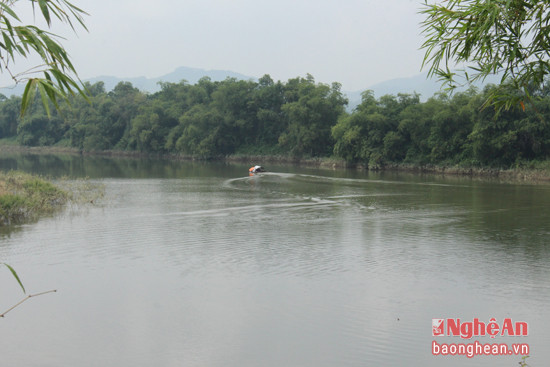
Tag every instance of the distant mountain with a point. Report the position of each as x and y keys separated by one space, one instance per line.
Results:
x=191 y=75
x=420 y=84
x=16 y=90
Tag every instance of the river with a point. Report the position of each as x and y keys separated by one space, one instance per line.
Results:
x=199 y=264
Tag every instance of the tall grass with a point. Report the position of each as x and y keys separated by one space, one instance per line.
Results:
x=24 y=197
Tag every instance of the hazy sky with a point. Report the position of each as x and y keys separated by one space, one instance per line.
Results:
x=355 y=42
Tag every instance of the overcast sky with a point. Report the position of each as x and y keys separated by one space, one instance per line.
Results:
x=355 y=42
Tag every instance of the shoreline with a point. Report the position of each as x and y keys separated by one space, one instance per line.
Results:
x=519 y=174
x=534 y=175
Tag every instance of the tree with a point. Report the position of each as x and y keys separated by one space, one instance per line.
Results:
x=271 y=121
x=9 y=116
x=56 y=77
x=311 y=109
x=504 y=37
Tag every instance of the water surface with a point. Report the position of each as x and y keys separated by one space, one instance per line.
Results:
x=199 y=264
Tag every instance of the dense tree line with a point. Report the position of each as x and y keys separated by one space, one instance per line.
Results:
x=444 y=130
x=297 y=118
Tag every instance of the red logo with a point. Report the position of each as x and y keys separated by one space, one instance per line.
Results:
x=438 y=327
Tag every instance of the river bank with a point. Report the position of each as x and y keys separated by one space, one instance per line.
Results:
x=539 y=172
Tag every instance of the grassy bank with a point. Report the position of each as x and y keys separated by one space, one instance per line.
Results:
x=24 y=197
x=536 y=172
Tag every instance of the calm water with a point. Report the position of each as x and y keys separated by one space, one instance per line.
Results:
x=197 y=264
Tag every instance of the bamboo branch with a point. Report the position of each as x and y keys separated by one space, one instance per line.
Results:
x=26 y=298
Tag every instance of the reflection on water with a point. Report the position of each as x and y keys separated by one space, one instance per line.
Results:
x=199 y=264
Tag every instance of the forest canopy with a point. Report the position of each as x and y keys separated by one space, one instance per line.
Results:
x=296 y=118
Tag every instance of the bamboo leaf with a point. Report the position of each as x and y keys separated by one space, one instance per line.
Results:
x=44 y=97
x=28 y=40
x=6 y=8
x=8 y=44
x=45 y=11
x=28 y=95
x=12 y=270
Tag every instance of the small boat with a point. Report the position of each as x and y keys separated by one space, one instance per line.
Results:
x=256 y=169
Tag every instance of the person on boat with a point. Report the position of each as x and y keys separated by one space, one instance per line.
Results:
x=256 y=169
